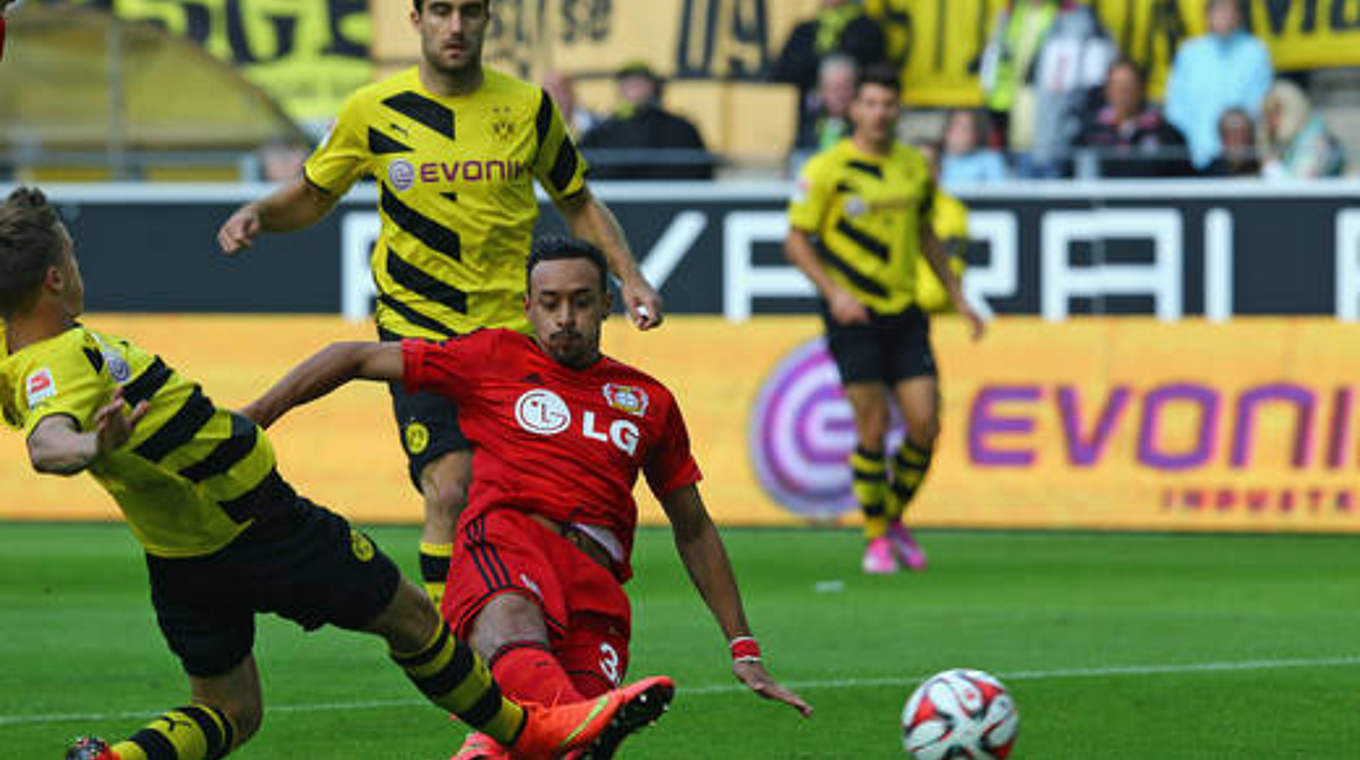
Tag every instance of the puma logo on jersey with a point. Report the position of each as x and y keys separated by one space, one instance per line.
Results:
x=542 y=412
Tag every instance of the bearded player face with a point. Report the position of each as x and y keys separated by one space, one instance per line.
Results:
x=451 y=33
x=567 y=304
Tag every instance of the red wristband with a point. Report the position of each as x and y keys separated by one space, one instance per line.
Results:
x=744 y=649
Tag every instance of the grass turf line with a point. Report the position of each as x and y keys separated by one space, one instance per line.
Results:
x=80 y=638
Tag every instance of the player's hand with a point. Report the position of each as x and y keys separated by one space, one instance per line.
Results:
x=845 y=309
x=240 y=229
x=642 y=302
x=756 y=679
x=977 y=327
x=112 y=428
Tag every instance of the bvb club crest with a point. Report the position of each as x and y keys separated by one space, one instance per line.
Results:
x=361 y=546
x=502 y=123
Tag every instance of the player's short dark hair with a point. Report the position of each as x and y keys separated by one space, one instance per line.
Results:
x=30 y=242
x=420 y=5
x=559 y=247
x=880 y=74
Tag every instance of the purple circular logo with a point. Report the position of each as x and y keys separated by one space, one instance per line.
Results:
x=802 y=432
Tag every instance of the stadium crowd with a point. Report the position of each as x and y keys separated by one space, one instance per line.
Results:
x=1061 y=100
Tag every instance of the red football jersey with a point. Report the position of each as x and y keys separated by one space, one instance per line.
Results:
x=563 y=443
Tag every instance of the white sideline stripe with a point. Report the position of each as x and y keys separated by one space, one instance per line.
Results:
x=836 y=683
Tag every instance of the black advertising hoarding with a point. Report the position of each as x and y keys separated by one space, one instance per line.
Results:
x=1167 y=248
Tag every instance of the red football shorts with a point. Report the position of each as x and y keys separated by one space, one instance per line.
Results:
x=588 y=616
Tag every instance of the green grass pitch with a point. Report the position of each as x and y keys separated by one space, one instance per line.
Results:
x=1115 y=646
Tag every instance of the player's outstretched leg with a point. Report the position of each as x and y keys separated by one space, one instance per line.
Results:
x=593 y=728
x=192 y=732
x=451 y=675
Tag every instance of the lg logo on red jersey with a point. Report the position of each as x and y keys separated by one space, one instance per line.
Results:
x=542 y=412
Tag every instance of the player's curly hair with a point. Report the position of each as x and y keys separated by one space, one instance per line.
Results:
x=557 y=247
x=30 y=242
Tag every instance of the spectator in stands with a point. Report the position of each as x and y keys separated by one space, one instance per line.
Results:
x=1237 y=135
x=561 y=87
x=281 y=160
x=1129 y=138
x=642 y=140
x=825 y=118
x=1043 y=60
x=1295 y=142
x=841 y=26
x=965 y=158
x=3 y=3
x=1224 y=69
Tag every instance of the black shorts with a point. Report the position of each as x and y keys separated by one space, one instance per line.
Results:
x=426 y=422
x=298 y=560
x=889 y=349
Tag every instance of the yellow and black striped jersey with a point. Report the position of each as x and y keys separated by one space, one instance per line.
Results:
x=866 y=212
x=184 y=479
x=456 y=195
x=951 y=227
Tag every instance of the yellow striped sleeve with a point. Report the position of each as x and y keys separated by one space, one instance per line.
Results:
x=61 y=382
x=811 y=196
x=559 y=165
x=343 y=157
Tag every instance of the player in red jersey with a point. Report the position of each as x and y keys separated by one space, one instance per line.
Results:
x=561 y=433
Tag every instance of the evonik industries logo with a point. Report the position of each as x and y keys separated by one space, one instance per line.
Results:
x=802 y=432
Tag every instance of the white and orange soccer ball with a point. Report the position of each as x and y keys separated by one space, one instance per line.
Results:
x=960 y=713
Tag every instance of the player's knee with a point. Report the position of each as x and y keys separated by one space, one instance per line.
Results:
x=872 y=426
x=923 y=431
x=506 y=618
x=444 y=488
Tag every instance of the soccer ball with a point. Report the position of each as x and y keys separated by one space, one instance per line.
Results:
x=959 y=713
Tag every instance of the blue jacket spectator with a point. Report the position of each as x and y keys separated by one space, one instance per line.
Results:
x=1224 y=69
x=966 y=160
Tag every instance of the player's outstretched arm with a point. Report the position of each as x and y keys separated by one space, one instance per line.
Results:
x=326 y=370
x=938 y=258
x=589 y=219
x=57 y=446
x=705 y=558
x=294 y=206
